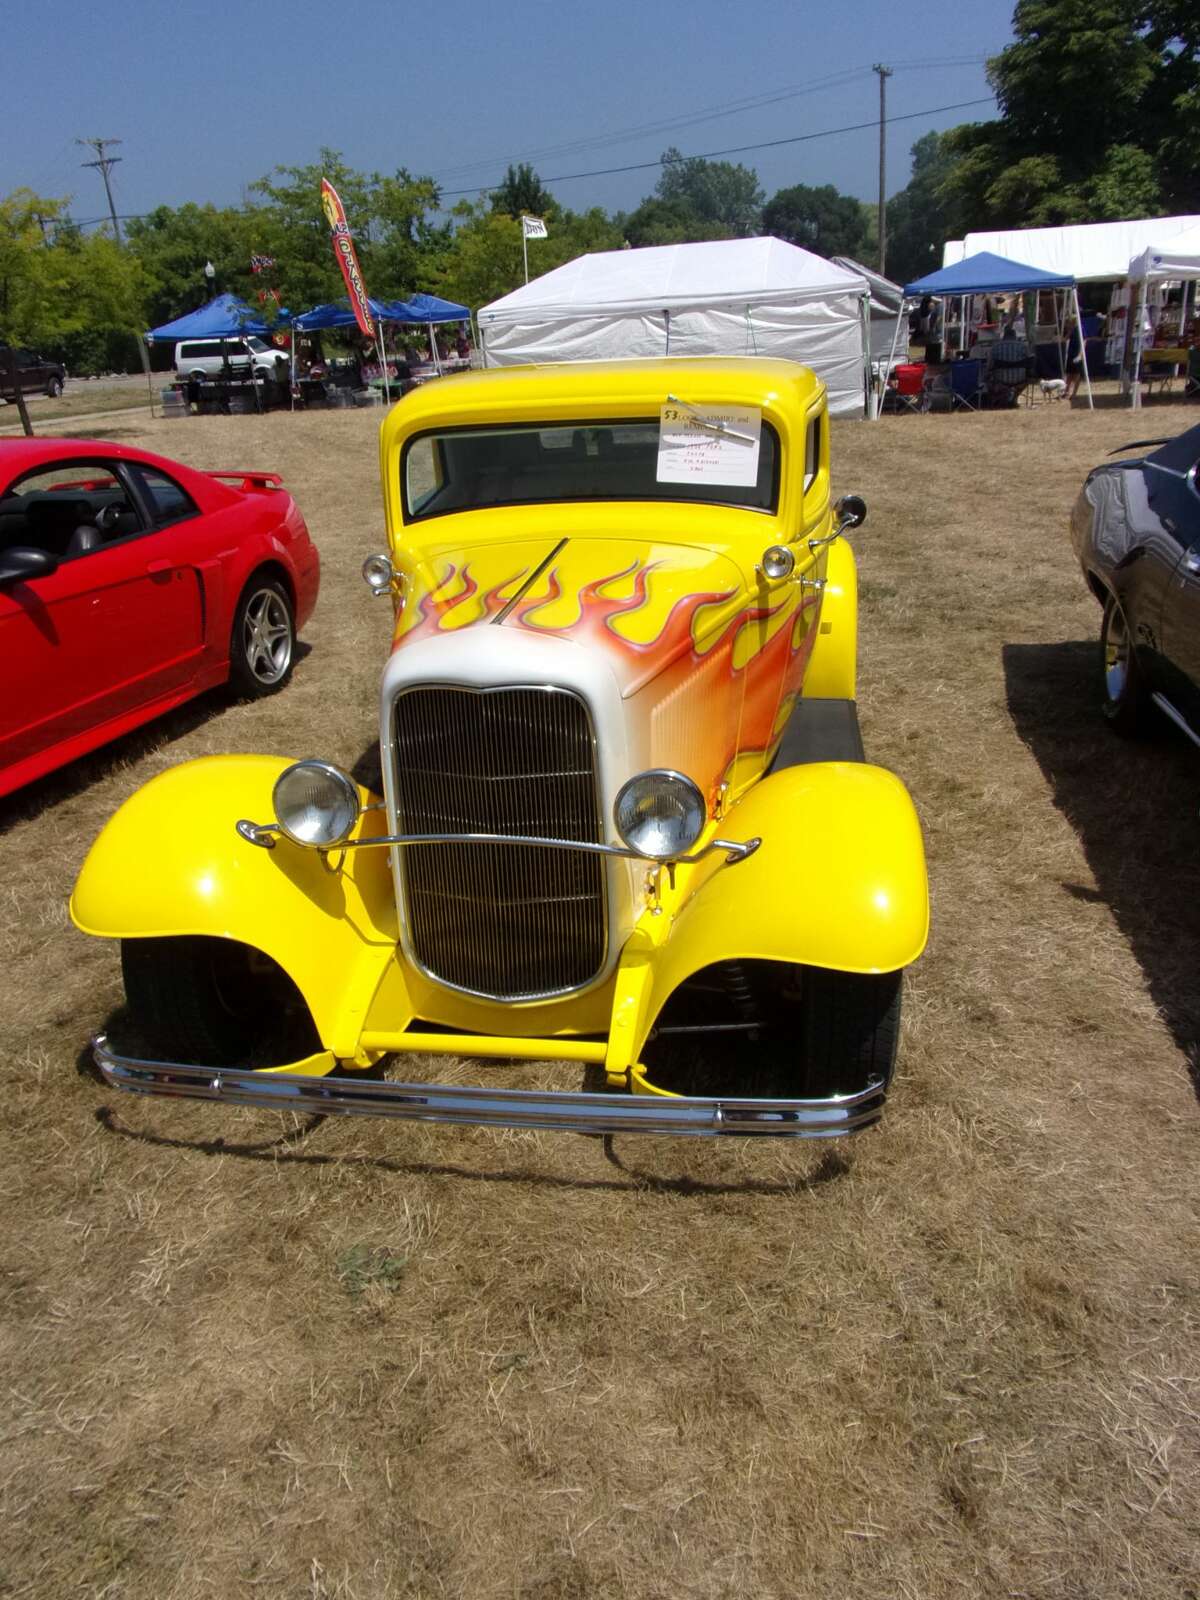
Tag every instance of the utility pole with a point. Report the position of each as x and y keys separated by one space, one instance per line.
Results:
x=884 y=74
x=105 y=163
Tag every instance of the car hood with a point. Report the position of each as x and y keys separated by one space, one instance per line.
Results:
x=643 y=603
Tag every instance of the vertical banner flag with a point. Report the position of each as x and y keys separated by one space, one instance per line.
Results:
x=534 y=227
x=347 y=258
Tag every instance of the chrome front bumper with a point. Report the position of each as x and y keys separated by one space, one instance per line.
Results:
x=497 y=1108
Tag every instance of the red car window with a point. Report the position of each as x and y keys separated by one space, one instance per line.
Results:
x=51 y=508
x=169 y=501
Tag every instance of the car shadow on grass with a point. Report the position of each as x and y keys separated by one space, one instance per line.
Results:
x=831 y=1164
x=1133 y=805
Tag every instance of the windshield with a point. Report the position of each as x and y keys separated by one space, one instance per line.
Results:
x=465 y=468
x=257 y=344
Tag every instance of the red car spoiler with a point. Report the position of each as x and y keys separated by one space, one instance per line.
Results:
x=247 y=481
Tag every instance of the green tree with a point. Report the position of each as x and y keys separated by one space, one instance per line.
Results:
x=817 y=219
x=522 y=191
x=666 y=222
x=715 y=191
x=174 y=244
x=916 y=217
x=486 y=259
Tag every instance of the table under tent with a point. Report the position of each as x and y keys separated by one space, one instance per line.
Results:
x=430 y=309
x=984 y=275
x=338 y=314
x=1176 y=260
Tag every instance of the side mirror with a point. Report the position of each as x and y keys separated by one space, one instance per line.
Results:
x=851 y=511
x=23 y=562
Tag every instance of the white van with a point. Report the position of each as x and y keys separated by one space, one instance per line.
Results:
x=203 y=358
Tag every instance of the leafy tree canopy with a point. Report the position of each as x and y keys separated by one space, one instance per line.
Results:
x=821 y=220
x=717 y=192
x=522 y=191
x=487 y=256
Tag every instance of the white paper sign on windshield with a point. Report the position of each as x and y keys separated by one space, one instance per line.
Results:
x=709 y=444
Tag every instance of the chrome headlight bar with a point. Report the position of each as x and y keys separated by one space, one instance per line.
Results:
x=659 y=815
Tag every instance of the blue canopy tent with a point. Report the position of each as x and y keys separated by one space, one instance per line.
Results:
x=337 y=314
x=985 y=273
x=226 y=317
x=428 y=308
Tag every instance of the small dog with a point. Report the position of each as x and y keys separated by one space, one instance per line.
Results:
x=1054 y=388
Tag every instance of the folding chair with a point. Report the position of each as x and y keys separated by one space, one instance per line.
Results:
x=906 y=387
x=1010 y=371
x=966 y=384
x=1191 y=389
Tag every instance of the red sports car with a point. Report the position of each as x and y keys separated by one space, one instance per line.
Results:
x=129 y=583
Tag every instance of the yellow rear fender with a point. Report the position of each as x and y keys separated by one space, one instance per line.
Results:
x=170 y=862
x=838 y=881
x=832 y=667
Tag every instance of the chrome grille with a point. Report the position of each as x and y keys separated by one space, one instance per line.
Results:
x=509 y=922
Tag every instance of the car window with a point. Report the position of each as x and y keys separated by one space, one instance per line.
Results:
x=812 y=452
x=69 y=509
x=464 y=468
x=169 y=502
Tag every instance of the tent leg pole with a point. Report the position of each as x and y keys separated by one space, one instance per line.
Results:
x=1087 y=377
x=890 y=361
x=1136 y=399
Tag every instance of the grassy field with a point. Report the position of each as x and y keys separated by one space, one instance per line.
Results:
x=79 y=400
x=246 y=1354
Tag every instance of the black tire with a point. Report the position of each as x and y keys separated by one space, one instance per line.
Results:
x=1126 y=700
x=850 y=1028
x=262 y=646
x=54 y=388
x=215 y=1003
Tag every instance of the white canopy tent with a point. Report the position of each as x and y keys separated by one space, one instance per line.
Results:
x=887 y=306
x=1171 y=256
x=1089 y=252
x=727 y=297
x=1176 y=258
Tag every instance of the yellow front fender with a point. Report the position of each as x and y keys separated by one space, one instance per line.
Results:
x=838 y=881
x=169 y=862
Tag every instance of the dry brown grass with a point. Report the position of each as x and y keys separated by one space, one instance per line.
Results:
x=248 y=1355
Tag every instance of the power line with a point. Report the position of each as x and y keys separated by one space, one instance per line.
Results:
x=742 y=149
x=707 y=114
x=642 y=166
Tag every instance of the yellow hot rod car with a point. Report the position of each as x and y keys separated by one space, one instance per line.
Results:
x=624 y=795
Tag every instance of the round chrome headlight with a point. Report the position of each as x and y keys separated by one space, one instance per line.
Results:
x=315 y=804
x=378 y=572
x=659 y=814
x=778 y=561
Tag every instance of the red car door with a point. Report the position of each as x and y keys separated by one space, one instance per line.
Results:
x=119 y=623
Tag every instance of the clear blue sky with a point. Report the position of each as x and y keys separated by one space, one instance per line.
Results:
x=209 y=97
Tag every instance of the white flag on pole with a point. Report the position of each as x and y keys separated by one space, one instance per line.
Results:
x=534 y=227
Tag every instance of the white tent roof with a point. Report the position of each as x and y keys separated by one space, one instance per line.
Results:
x=736 y=272
x=885 y=295
x=1178 y=256
x=1096 y=252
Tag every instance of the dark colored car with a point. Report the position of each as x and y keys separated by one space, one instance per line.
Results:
x=1136 y=530
x=35 y=374
x=130 y=583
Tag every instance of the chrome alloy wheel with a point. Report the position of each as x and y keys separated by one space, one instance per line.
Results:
x=267 y=636
x=1116 y=655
